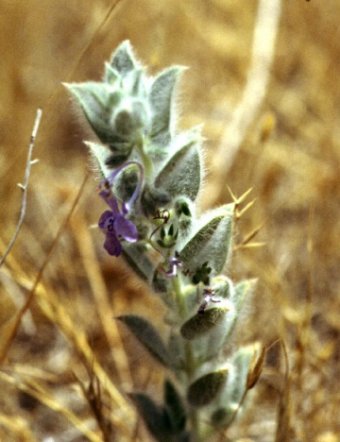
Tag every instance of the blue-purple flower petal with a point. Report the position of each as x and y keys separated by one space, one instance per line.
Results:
x=112 y=244
x=125 y=229
x=105 y=219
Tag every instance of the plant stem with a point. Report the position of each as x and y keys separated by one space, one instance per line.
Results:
x=189 y=359
x=147 y=162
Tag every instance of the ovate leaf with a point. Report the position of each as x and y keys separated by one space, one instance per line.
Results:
x=211 y=243
x=135 y=256
x=174 y=406
x=123 y=59
x=147 y=335
x=202 y=323
x=182 y=173
x=161 y=100
x=240 y=379
x=97 y=101
x=243 y=290
x=205 y=389
x=154 y=416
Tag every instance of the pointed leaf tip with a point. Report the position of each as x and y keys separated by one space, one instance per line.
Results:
x=123 y=59
x=161 y=99
x=174 y=406
x=182 y=173
x=211 y=242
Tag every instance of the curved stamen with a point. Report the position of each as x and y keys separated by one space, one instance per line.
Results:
x=109 y=181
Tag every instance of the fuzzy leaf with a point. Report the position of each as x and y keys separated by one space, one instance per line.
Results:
x=135 y=256
x=235 y=295
x=123 y=59
x=174 y=407
x=242 y=290
x=176 y=351
x=101 y=154
x=222 y=416
x=105 y=159
x=241 y=361
x=161 y=99
x=154 y=416
x=205 y=389
x=233 y=394
x=111 y=76
x=210 y=345
x=153 y=199
x=147 y=335
x=182 y=173
x=203 y=323
x=211 y=243
x=160 y=283
x=94 y=98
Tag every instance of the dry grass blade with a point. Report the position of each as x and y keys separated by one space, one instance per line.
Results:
x=284 y=430
x=18 y=427
x=42 y=395
x=100 y=294
x=266 y=29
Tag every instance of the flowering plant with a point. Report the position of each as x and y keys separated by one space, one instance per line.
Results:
x=151 y=176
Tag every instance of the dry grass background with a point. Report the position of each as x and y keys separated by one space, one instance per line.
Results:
x=64 y=372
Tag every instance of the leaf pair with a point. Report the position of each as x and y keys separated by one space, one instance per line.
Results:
x=128 y=106
x=167 y=422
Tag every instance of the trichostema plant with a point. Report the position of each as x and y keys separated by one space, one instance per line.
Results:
x=151 y=176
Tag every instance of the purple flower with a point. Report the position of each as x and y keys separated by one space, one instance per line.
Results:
x=114 y=222
x=174 y=264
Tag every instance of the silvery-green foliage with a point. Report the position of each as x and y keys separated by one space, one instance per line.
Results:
x=148 y=336
x=152 y=175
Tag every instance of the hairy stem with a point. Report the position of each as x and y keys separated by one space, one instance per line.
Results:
x=146 y=160
x=189 y=359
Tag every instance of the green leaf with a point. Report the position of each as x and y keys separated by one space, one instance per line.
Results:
x=202 y=323
x=241 y=361
x=243 y=290
x=176 y=350
x=232 y=396
x=111 y=76
x=135 y=256
x=101 y=155
x=123 y=59
x=206 y=389
x=153 y=199
x=160 y=282
x=161 y=100
x=211 y=242
x=182 y=173
x=235 y=295
x=174 y=407
x=97 y=101
x=154 y=416
x=222 y=416
x=147 y=335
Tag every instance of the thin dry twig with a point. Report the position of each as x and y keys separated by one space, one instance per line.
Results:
x=265 y=34
x=31 y=294
x=24 y=185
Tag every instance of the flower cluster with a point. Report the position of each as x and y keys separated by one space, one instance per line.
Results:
x=151 y=176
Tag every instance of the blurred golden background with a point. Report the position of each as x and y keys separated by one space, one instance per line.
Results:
x=264 y=80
